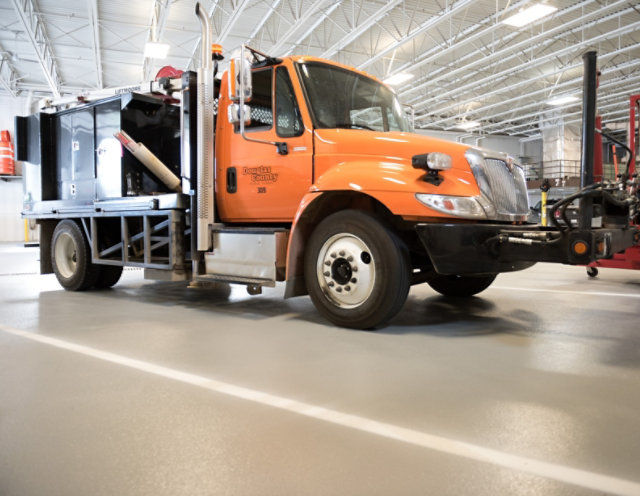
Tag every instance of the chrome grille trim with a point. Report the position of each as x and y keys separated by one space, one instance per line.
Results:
x=508 y=189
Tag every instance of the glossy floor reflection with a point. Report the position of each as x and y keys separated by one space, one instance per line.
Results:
x=543 y=366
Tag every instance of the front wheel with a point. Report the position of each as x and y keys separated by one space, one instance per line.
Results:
x=356 y=270
x=461 y=286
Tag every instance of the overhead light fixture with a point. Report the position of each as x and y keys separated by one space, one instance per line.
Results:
x=467 y=125
x=529 y=15
x=401 y=77
x=562 y=100
x=155 y=50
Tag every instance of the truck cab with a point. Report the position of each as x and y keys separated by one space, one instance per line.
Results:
x=344 y=131
x=325 y=144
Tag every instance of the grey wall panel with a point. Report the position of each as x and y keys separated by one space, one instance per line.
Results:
x=11 y=224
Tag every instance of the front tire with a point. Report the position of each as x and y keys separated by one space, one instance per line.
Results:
x=71 y=258
x=461 y=286
x=356 y=270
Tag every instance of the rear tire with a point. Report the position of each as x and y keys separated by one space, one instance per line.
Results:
x=356 y=270
x=108 y=276
x=461 y=286
x=71 y=257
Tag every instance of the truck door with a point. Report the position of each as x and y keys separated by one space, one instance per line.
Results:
x=254 y=182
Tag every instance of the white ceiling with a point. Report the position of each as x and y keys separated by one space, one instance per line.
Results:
x=467 y=64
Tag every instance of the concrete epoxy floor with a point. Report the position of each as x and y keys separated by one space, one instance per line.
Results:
x=544 y=365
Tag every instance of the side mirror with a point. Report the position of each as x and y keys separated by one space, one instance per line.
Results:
x=240 y=88
x=234 y=114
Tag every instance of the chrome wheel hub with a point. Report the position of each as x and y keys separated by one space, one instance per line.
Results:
x=66 y=255
x=346 y=270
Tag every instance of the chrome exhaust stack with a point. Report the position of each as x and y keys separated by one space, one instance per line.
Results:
x=205 y=138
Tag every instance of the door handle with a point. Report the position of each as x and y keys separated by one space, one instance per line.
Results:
x=232 y=180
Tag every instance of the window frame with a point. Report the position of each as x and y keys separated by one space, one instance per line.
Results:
x=264 y=127
x=314 y=120
x=295 y=102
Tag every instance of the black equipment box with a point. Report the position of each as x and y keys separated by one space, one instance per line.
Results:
x=72 y=155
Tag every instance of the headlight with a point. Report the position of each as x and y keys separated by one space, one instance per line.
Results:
x=460 y=206
x=434 y=161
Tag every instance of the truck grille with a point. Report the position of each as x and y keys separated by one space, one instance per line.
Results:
x=509 y=189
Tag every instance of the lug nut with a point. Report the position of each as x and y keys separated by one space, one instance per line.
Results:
x=354 y=280
x=327 y=273
x=327 y=262
x=331 y=284
x=339 y=289
x=354 y=269
x=347 y=288
x=349 y=258
x=333 y=255
x=342 y=253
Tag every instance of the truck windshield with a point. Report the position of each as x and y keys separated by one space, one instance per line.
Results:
x=340 y=98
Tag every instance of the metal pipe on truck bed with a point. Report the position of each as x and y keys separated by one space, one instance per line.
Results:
x=150 y=161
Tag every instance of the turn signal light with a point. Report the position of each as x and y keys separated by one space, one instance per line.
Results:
x=216 y=51
x=580 y=248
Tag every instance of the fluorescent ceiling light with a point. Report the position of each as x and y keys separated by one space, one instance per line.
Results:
x=155 y=50
x=527 y=16
x=399 y=78
x=563 y=100
x=466 y=125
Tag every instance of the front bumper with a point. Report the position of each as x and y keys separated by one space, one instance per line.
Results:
x=494 y=248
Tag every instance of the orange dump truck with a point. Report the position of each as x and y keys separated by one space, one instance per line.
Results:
x=295 y=169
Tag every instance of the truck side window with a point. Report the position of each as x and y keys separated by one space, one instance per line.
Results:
x=261 y=106
x=288 y=121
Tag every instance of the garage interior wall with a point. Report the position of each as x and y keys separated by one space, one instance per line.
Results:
x=11 y=224
x=528 y=152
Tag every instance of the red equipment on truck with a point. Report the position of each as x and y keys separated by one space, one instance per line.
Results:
x=629 y=258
